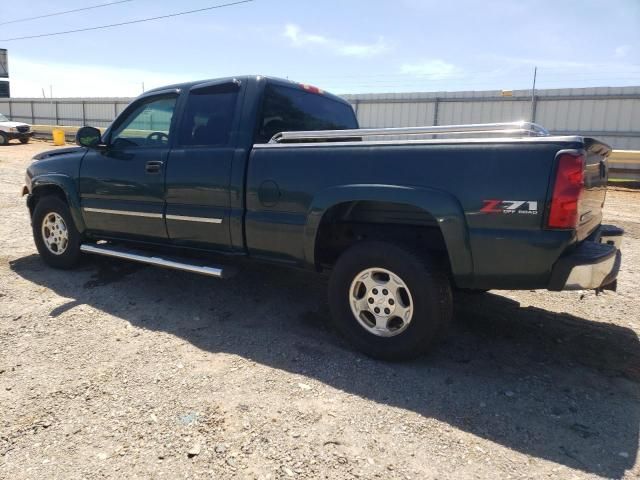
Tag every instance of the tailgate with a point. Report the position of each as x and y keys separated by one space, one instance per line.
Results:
x=595 y=187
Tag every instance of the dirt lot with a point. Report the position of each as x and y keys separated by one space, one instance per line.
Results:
x=118 y=370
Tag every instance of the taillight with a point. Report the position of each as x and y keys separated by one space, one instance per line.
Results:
x=566 y=191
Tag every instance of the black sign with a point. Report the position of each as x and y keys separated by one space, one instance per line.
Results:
x=4 y=89
x=4 y=64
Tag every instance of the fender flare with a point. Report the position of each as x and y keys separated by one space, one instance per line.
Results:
x=68 y=187
x=443 y=206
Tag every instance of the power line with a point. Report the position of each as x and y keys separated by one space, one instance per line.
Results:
x=469 y=77
x=130 y=22
x=64 y=13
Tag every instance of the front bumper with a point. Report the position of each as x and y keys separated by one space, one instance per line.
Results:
x=594 y=264
x=19 y=135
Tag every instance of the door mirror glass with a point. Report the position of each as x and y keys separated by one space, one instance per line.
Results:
x=88 y=137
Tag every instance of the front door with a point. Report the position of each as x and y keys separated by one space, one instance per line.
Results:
x=122 y=187
x=199 y=168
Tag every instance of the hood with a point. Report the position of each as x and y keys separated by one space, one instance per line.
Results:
x=13 y=124
x=57 y=152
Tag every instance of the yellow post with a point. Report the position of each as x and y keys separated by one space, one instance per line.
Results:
x=58 y=136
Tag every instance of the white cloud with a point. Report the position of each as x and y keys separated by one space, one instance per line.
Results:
x=30 y=77
x=435 y=69
x=622 y=51
x=299 y=39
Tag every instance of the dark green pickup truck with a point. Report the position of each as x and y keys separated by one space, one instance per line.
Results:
x=277 y=171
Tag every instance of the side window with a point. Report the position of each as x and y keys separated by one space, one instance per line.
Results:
x=208 y=116
x=148 y=125
x=290 y=109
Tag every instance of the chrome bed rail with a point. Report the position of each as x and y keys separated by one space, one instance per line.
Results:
x=507 y=128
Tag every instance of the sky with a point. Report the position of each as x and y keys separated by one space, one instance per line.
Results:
x=349 y=46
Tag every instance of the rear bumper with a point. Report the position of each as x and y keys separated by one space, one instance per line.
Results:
x=594 y=264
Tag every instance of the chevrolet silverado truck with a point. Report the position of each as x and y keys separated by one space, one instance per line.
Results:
x=276 y=171
x=14 y=130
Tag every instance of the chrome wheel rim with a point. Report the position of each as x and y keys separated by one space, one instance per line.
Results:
x=55 y=233
x=381 y=302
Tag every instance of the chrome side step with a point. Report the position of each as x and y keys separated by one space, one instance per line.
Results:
x=144 y=257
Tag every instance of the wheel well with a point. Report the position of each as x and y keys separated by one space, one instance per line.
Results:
x=348 y=223
x=45 y=191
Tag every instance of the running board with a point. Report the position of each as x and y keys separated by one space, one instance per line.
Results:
x=144 y=257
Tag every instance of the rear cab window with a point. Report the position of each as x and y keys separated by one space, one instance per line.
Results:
x=293 y=109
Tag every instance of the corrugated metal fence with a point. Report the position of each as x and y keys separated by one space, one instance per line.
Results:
x=610 y=114
x=97 y=112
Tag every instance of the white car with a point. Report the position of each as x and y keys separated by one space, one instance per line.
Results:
x=14 y=130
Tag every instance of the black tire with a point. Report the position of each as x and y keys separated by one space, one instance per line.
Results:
x=47 y=206
x=24 y=140
x=430 y=292
x=3 y=139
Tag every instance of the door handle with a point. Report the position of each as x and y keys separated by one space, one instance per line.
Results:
x=153 y=166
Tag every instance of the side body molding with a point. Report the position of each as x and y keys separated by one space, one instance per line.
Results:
x=443 y=206
x=70 y=189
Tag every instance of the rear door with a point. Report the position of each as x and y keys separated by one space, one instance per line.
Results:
x=199 y=168
x=122 y=188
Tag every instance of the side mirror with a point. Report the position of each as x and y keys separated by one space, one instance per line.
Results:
x=88 y=137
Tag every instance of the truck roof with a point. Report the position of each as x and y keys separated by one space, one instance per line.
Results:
x=257 y=78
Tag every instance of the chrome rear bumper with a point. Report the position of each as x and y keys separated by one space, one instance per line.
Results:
x=594 y=264
x=593 y=276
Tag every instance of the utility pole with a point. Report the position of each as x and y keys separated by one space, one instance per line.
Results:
x=142 y=87
x=533 y=95
x=51 y=101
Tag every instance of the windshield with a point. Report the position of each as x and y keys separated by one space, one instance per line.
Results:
x=3 y=118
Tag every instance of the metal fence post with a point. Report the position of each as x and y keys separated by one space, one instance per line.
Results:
x=33 y=118
x=10 y=110
x=56 y=107
x=84 y=115
x=436 y=104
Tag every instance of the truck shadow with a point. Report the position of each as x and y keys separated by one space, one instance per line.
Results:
x=552 y=386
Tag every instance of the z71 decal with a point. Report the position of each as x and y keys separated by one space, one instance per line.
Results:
x=524 y=207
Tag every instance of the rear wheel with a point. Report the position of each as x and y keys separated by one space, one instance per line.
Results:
x=55 y=234
x=389 y=302
x=3 y=139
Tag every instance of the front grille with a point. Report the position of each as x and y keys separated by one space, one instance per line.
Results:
x=23 y=128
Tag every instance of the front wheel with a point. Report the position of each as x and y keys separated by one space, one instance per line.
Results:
x=24 y=140
x=389 y=302
x=55 y=234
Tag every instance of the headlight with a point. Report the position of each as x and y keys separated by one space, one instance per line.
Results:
x=13 y=129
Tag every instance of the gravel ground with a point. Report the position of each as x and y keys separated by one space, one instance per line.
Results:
x=117 y=370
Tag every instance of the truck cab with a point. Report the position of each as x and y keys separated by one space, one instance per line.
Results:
x=177 y=155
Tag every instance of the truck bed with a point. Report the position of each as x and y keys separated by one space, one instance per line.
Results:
x=505 y=246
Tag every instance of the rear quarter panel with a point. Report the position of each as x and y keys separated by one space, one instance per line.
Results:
x=509 y=249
